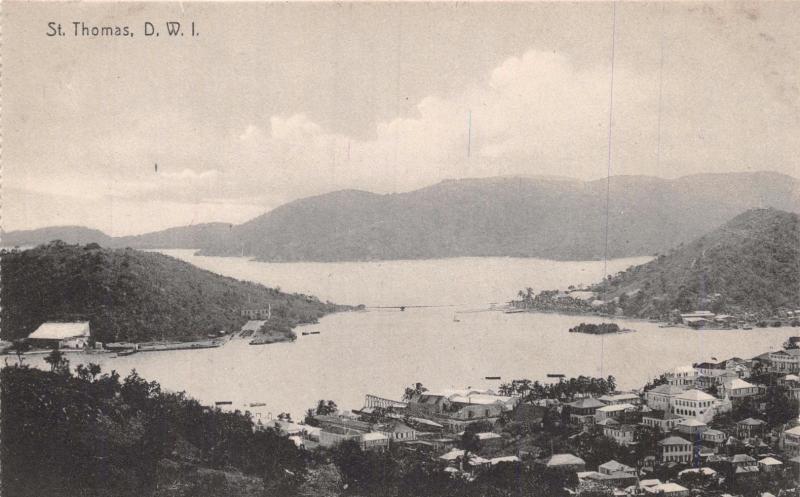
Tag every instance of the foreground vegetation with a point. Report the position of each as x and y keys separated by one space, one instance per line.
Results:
x=96 y=434
x=128 y=295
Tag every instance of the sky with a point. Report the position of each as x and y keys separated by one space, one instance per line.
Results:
x=271 y=103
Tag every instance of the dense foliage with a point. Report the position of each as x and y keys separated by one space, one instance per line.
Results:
x=596 y=329
x=752 y=263
x=131 y=295
x=99 y=435
x=564 y=390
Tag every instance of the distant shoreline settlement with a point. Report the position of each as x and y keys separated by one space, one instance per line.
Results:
x=587 y=301
x=76 y=336
x=718 y=428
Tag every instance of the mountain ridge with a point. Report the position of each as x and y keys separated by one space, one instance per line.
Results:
x=513 y=216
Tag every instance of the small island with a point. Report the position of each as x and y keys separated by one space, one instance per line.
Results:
x=599 y=329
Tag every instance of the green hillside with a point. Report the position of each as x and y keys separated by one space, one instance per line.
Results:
x=751 y=263
x=96 y=434
x=128 y=295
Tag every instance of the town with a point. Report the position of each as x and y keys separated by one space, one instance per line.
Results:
x=724 y=428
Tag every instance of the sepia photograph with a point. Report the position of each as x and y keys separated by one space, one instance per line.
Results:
x=400 y=249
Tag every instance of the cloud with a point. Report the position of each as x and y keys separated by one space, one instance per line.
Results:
x=533 y=114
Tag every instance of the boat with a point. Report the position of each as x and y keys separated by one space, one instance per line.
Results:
x=747 y=327
x=555 y=375
x=126 y=352
x=305 y=333
x=315 y=332
x=455 y=319
x=223 y=403
x=493 y=378
x=513 y=311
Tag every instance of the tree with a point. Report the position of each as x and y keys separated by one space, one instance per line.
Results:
x=413 y=391
x=20 y=347
x=325 y=408
x=58 y=363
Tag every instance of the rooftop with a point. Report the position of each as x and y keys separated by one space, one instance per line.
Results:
x=770 y=461
x=616 y=407
x=695 y=395
x=565 y=460
x=666 y=390
x=674 y=441
x=587 y=403
x=61 y=331
x=751 y=422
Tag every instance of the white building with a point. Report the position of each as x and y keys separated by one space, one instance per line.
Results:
x=682 y=377
x=737 y=389
x=660 y=397
x=694 y=404
x=62 y=335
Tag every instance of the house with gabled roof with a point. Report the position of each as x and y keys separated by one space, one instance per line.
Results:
x=676 y=449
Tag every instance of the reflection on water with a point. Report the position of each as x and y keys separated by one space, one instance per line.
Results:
x=382 y=351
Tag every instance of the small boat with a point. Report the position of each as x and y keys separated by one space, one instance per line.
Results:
x=555 y=375
x=747 y=327
x=223 y=403
x=306 y=333
x=493 y=378
x=315 y=332
x=513 y=311
x=455 y=319
x=126 y=352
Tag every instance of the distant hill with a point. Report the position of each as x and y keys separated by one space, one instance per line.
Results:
x=544 y=217
x=67 y=234
x=518 y=217
x=131 y=295
x=751 y=263
x=184 y=237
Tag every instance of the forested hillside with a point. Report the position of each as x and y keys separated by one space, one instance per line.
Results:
x=97 y=434
x=751 y=263
x=129 y=295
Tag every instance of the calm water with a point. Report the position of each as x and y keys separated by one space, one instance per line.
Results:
x=382 y=351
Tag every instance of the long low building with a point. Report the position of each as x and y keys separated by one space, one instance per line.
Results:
x=73 y=335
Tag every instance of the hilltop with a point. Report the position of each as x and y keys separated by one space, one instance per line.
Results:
x=751 y=264
x=128 y=295
x=545 y=217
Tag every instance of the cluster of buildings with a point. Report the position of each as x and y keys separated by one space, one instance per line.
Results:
x=687 y=417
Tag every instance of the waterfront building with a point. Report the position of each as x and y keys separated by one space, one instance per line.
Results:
x=676 y=449
x=695 y=404
x=785 y=361
x=456 y=409
x=73 y=335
